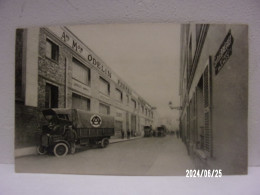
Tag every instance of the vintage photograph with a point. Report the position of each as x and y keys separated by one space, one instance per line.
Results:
x=148 y=99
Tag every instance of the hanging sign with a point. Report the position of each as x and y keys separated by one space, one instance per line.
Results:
x=224 y=52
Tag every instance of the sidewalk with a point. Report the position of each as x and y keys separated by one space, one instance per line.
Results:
x=116 y=140
x=33 y=149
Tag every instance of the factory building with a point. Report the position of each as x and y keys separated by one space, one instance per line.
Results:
x=54 y=69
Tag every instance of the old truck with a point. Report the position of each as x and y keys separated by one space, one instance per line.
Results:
x=160 y=132
x=68 y=128
x=148 y=132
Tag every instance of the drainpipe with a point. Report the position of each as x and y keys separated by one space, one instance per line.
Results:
x=66 y=84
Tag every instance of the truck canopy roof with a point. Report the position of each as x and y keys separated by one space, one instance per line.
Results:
x=81 y=118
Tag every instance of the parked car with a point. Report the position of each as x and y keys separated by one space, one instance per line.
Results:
x=67 y=128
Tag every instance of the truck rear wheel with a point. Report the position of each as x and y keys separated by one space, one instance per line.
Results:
x=60 y=149
x=41 y=150
x=104 y=142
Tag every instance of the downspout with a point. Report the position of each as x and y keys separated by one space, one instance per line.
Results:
x=66 y=84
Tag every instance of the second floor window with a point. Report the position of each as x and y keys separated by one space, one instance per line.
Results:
x=104 y=86
x=119 y=95
x=80 y=72
x=104 y=109
x=80 y=102
x=133 y=102
x=52 y=50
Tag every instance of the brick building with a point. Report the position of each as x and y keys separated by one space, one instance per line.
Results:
x=214 y=95
x=54 y=69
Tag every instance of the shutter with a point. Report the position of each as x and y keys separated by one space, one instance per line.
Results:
x=194 y=118
x=207 y=110
x=188 y=123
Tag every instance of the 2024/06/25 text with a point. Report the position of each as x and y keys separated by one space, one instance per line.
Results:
x=203 y=173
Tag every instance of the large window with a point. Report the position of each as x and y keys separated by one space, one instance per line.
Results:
x=51 y=96
x=80 y=72
x=119 y=95
x=104 y=86
x=104 y=109
x=133 y=102
x=52 y=50
x=80 y=102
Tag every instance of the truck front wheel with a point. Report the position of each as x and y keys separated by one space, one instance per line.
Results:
x=60 y=149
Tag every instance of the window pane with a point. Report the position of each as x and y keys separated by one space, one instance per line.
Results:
x=103 y=109
x=52 y=50
x=133 y=103
x=80 y=102
x=48 y=49
x=80 y=73
x=55 y=52
x=103 y=86
x=118 y=95
x=51 y=96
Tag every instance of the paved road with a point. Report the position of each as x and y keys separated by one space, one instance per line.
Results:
x=145 y=156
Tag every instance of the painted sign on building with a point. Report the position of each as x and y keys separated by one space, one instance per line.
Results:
x=78 y=86
x=71 y=40
x=124 y=86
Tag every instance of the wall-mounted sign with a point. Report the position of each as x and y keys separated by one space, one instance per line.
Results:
x=99 y=65
x=78 y=86
x=104 y=98
x=74 y=44
x=224 y=52
x=72 y=41
x=124 y=86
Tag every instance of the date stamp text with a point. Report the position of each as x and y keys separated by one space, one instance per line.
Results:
x=203 y=173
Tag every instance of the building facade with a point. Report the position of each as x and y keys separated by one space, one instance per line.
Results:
x=54 y=69
x=214 y=95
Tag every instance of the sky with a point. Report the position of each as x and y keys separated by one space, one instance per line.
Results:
x=145 y=56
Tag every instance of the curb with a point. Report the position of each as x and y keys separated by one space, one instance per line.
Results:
x=123 y=140
x=27 y=151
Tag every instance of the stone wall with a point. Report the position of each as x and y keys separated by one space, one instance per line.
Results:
x=27 y=126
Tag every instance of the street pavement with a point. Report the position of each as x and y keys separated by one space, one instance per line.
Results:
x=141 y=157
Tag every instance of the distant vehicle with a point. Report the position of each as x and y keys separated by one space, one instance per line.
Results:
x=67 y=128
x=148 y=132
x=161 y=131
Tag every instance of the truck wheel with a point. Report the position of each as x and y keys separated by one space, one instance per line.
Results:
x=104 y=142
x=41 y=150
x=60 y=149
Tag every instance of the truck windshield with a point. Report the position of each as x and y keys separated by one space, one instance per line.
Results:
x=49 y=117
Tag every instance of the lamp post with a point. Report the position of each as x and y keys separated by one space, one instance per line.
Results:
x=174 y=107
x=179 y=133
